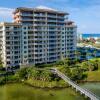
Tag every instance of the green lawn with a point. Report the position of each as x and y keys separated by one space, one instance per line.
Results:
x=93 y=76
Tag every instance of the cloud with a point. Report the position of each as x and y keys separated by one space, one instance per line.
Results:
x=85 y=13
x=5 y=14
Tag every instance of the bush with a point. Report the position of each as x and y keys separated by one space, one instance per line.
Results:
x=76 y=74
x=2 y=80
x=12 y=78
x=90 y=65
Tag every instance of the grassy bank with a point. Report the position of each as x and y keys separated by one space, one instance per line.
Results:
x=34 y=77
x=46 y=84
x=93 y=76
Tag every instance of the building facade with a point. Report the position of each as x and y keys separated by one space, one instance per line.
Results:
x=10 y=43
x=37 y=35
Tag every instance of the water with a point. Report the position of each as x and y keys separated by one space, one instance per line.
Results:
x=94 y=87
x=89 y=35
x=24 y=92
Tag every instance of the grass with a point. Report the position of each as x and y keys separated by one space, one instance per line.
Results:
x=42 y=84
x=93 y=76
x=25 y=92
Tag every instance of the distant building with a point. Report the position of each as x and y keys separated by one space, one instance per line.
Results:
x=87 y=52
x=79 y=36
x=38 y=35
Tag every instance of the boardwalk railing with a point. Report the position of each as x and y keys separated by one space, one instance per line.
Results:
x=84 y=91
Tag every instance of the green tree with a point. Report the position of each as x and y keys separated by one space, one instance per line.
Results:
x=84 y=66
x=94 y=53
x=34 y=74
x=88 y=55
x=1 y=64
x=66 y=71
x=46 y=75
x=76 y=74
x=22 y=73
x=77 y=56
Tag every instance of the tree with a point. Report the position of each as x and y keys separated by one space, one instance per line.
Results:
x=22 y=73
x=28 y=72
x=34 y=74
x=84 y=66
x=60 y=62
x=2 y=80
x=1 y=64
x=66 y=71
x=88 y=54
x=46 y=75
x=76 y=74
x=77 y=56
x=94 y=53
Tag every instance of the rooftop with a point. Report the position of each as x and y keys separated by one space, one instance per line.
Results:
x=40 y=8
x=46 y=8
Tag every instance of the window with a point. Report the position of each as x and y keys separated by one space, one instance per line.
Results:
x=8 y=57
x=25 y=42
x=24 y=27
x=25 y=51
x=8 y=62
x=25 y=47
x=16 y=57
x=24 y=32
x=24 y=37
x=8 y=52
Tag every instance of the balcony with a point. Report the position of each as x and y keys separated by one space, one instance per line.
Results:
x=52 y=20
x=39 y=20
x=39 y=15
x=26 y=19
x=52 y=16
x=39 y=24
x=26 y=14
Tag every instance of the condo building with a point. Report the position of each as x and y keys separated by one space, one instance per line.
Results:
x=37 y=35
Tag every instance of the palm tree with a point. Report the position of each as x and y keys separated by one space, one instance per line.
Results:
x=94 y=53
x=46 y=76
x=88 y=54
x=63 y=59
x=77 y=55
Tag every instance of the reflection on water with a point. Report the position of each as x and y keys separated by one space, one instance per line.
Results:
x=94 y=87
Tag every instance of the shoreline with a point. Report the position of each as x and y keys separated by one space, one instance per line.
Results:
x=88 y=82
x=40 y=84
x=46 y=84
x=47 y=88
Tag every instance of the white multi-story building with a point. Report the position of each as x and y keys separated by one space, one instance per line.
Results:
x=39 y=35
x=69 y=39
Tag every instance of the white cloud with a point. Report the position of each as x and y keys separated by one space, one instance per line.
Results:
x=87 y=18
x=5 y=14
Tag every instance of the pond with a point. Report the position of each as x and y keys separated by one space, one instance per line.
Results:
x=24 y=92
x=94 y=87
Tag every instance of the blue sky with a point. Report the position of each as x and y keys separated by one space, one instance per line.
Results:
x=85 y=13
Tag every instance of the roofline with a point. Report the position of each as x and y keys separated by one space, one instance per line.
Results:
x=37 y=9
